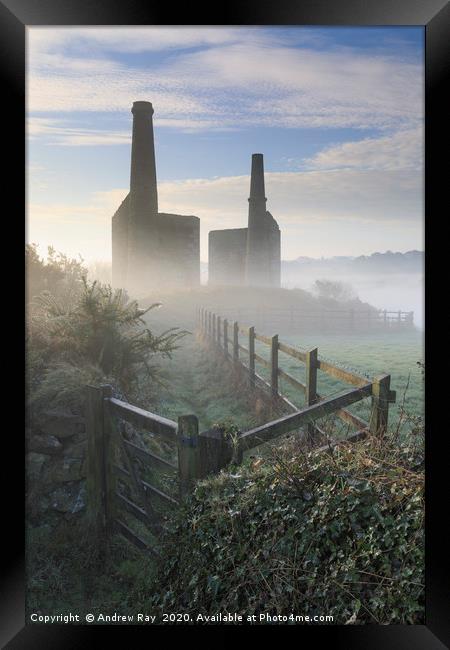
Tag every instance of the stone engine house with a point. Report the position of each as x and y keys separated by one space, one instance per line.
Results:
x=248 y=256
x=151 y=249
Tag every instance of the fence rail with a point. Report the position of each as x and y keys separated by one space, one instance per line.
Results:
x=316 y=405
x=144 y=419
x=306 y=416
x=120 y=471
x=287 y=318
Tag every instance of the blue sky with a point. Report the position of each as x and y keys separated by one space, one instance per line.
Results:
x=337 y=112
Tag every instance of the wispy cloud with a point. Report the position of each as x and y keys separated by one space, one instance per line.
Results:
x=400 y=151
x=300 y=197
x=58 y=132
x=98 y=39
x=231 y=78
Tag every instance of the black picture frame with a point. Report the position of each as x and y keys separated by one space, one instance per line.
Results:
x=434 y=16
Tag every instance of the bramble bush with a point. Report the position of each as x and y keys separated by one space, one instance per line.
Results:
x=332 y=533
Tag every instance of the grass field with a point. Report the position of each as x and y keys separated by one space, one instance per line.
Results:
x=195 y=386
x=396 y=354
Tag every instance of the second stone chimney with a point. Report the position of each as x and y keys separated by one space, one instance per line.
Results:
x=257 y=191
x=256 y=264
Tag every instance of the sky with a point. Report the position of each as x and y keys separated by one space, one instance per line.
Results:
x=337 y=112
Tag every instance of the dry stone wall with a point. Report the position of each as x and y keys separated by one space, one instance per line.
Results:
x=56 y=465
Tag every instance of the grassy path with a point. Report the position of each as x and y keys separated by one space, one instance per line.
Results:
x=201 y=384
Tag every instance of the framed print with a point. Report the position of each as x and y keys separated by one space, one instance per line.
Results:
x=228 y=235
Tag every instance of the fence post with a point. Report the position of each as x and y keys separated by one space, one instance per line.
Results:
x=311 y=386
x=219 y=323
x=100 y=478
x=251 y=355
x=215 y=451
x=274 y=365
x=209 y=324
x=235 y=341
x=188 y=459
x=225 y=336
x=109 y=457
x=214 y=328
x=380 y=404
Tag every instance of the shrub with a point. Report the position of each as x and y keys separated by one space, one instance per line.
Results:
x=90 y=333
x=58 y=274
x=101 y=328
x=338 y=534
x=329 y=289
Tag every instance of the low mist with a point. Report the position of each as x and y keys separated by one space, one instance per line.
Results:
x=403 y=292
x=391 y=281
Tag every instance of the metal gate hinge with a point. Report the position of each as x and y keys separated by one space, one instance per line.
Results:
x=189 y=442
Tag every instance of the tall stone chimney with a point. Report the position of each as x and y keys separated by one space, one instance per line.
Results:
x=263 y=235
x=143 y=167
x=143 y=198
x=254 y=272
x=257 y=198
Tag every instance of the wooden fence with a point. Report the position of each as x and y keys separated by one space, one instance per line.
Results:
x=294 y=318
x=118 y=483
x=224 y=336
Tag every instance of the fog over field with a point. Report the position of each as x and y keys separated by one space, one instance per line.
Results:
x=390 y=290
x=393 y=289
x=403 y=292
x=392 y=281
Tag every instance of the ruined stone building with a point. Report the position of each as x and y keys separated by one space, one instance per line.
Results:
x=248 y=256
x=151 y=249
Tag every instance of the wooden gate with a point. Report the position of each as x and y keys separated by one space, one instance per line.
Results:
x=131 y=489
x=124 y=476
